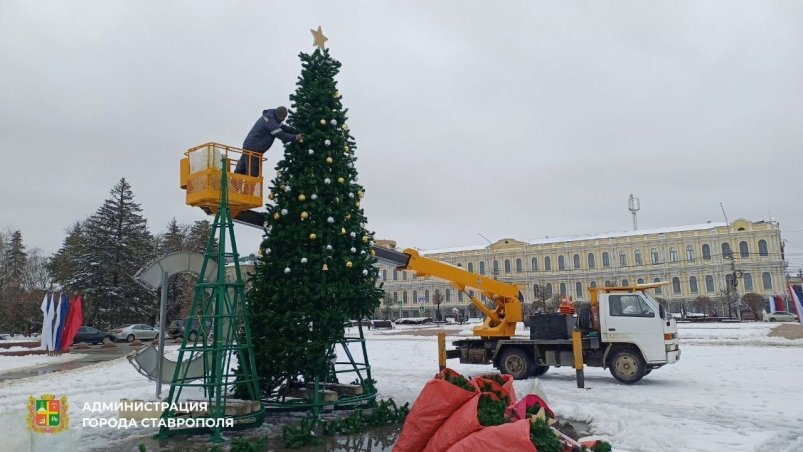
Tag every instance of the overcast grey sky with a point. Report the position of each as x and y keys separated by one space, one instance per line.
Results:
x=511 y=119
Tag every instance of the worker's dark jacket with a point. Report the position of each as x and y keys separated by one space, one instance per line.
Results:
x=260 y=139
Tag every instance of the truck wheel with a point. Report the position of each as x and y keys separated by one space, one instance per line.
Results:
x=627 y=366
x=516 y=363
x=539 y=370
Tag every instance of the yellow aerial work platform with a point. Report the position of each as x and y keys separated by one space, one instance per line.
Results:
x=200 y=177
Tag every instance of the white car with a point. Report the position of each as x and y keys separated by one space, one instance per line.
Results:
x=129 y=333
x=779 y=316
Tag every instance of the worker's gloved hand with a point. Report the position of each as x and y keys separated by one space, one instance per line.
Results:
x=300 y=137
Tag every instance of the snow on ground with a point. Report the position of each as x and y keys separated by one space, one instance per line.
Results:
x=14 y=363
x=739 y=397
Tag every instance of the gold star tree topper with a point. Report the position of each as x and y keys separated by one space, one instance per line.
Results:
x=320 y=39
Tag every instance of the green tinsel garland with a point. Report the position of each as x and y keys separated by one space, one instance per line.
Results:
x=459 y=381
x=491 y=410
x=544 y=438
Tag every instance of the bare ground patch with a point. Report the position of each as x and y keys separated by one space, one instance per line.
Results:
x=788 y=331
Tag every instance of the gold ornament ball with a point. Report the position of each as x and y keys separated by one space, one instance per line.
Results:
x=365 y=239
x=313 y=236
x=277 y=215
x=349 y=264
x=304 y=215
x=346 y=148
x=329 y=160
x=323 y=122
x=337 y=199
x=348 y=216
x=325 y=268
x=360 y=193
x=271 y=196
x=337 y=94
x=342 y=230
x=373 y=253
x=302 y=198
x=341 y=180
x=357 y=205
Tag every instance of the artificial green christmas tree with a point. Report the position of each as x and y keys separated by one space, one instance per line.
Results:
x=316 y=267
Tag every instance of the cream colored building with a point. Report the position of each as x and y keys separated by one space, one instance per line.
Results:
x=696 y=260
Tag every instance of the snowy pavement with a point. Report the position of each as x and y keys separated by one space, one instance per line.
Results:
x=24 y=362
x=732 y=390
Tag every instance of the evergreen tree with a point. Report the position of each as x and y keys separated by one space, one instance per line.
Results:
x=117 y=245
x=16 y=261
x=65 y=264
x=316 y=267
x=180 y=287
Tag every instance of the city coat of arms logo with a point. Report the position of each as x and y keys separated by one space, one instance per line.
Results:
x=47 y=414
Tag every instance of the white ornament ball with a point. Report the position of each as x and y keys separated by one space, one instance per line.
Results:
x=362 y=252
x=327 y=142
x=287 y=188
x=286 y=270
x=333 y=122
x=314 y=197
x=329 y=247
x=330 y=220
x=353 y=235
x=351 y=165
x=365 y=272
x=371 y=243
x=353 y=250
x=311 y=152
x=351 y=195
x=303 y=260
x=284 y=211
x=267 y=250
x=327 y=181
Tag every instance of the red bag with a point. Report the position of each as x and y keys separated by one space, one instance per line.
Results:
x=436 y=402
x=519 y=410
x=507 y=386
x=462 y=422
x=510 y=437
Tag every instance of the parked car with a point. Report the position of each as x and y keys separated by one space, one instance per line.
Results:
x=780 y=316
x=136 y=331
x=92 y=335
x=177 y=327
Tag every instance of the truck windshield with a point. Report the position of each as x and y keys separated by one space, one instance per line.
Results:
x=656 y=306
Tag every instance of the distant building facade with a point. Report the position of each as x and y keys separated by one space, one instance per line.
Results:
x=696 y=260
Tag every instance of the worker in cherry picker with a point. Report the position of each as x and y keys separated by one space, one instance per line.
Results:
x=267 y=128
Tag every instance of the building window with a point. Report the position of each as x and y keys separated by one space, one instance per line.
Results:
x=482 y=267
x=654 y=256
x=622 y=259
x=709 y=283
x=640 y=281
x=395 y=275
x=536 y=291
x=608 y=283
x=547 y=264
x=548 y=290
x=507 y=265
x=404 y=275
x=518 y=266
x=384 y=275
x=460 y=265
x=689 y=253
x=606 y=260
x=743 y=251
x=726 y=250
x=459 y=296
x=593 y=284
x=496 y=267
x=673 y=255
x=638 y=257
x=762 y=248
x=426 y=295
x=728 y=280
x=625 y=283
x=563 y=288
x=534 y=264
x=658 y=290
x=395 y=297
x=470 y=267
x=591 y=263
x=561 y=263
x=766 y=280
x=693 y=284
x=748 y=281
x=578 y=289
x=706 y=252
x=415 y=296
x=576 y=260
x=404 y=297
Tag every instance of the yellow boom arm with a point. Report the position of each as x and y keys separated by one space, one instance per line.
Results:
x=500 y=321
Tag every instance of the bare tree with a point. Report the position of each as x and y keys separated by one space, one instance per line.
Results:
x=437 y=299
x=756 y=303
x=703 y=303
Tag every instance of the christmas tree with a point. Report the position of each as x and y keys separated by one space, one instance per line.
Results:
x=315 y=270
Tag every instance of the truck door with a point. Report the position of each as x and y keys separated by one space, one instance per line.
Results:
x=629 y=318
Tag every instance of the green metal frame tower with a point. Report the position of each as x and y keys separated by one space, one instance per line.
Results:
x=219 y=306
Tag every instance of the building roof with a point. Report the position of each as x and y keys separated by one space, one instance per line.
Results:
x=576 y=238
